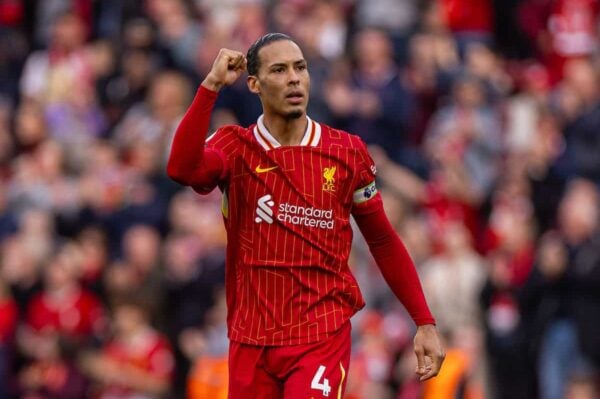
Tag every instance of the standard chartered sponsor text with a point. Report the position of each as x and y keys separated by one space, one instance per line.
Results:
x=305 y=216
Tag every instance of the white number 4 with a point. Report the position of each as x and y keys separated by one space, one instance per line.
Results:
x=316 y=382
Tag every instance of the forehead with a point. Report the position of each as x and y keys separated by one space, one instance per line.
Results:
x=281 y=51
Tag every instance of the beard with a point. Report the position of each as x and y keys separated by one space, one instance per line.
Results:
x=294 y=114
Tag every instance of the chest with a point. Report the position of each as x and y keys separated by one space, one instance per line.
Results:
x=299 y=176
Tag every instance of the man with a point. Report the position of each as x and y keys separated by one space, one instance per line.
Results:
x=289 y=186
x=138 y=362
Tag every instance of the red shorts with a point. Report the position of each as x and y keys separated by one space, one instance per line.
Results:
x=312 y=371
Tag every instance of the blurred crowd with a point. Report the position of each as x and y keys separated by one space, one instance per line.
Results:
x=483 y=118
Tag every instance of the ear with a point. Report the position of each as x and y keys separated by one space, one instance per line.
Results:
x=253 y=84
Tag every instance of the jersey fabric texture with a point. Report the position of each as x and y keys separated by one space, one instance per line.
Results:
x=287 y=212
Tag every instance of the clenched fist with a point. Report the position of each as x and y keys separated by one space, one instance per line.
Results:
x=226 y=69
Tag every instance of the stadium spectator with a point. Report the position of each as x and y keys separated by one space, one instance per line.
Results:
x=562 y=30
x=52 y=372
x=137 y=361
x=153 y=121
x=465 y=134
x=470 y=21
x=581 y=129
x=453 y=279
x=50 y=76
x=64 y=307
x=509 y=353
x=372 y=101
x=524 y=109
x=432 y=63
x=562 y=295
x=193 y=276
x=139 y=269
x=209 y=374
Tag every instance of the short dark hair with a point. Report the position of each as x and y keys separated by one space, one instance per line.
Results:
x=253 y=62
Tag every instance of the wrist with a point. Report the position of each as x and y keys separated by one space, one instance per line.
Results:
x=212 y=84
x=424 y=320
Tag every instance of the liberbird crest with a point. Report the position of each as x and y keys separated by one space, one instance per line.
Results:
x=329 y=184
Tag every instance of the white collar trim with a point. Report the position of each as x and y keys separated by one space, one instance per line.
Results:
x=312 y=135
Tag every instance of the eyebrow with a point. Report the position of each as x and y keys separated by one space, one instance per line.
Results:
x=277 y=64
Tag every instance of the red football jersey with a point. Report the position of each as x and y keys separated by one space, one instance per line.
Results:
x=287 y=211
x=9 y=316
x=79 y=315
x=147 y=351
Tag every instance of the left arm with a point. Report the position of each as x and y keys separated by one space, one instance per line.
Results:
x=395 y=263
x=399 y=271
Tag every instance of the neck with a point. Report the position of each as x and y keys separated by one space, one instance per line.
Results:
x=136 y=334
x=287 y=131
x=63 y=293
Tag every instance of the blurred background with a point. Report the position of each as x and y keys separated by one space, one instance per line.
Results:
x=483 y=118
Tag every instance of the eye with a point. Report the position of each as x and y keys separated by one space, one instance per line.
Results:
x=301 y=67
x=278 y=69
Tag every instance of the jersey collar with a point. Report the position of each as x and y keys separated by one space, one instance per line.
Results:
x=311 y=137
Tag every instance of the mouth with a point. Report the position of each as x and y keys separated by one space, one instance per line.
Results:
x=295 y=97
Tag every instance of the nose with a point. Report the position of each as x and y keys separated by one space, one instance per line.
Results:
x=293 y=77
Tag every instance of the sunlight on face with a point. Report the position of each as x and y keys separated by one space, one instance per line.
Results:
x=283 y=81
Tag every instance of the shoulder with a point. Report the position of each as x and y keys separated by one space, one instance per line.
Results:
x=353 y=144
x=37 y=58
x=332 y=136
x=227 y=134
x=228 y=130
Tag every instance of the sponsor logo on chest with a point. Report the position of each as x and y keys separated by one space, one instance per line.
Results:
x=286 y=213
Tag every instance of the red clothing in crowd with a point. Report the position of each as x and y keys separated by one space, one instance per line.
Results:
x=8 y=320
x=79 y=315
x=563 y=29
x=468 y=15
x=148 y=351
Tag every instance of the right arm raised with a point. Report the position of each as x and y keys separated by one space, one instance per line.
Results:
x=189 y=163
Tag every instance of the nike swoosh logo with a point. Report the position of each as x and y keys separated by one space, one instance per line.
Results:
x=263 y=170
